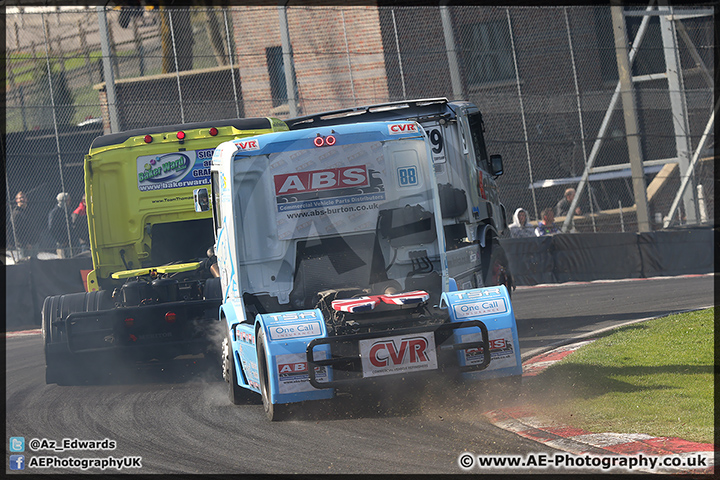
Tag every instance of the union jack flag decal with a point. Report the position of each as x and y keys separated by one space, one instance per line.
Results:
x=365 y=304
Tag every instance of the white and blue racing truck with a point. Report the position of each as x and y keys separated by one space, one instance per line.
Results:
x=334 y=268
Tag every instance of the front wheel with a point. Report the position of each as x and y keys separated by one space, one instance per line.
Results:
x=237 y=394
x=273 y=411
x=496 y=268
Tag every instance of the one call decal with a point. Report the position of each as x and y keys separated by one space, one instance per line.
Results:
x=174 y=170
x=398 y=354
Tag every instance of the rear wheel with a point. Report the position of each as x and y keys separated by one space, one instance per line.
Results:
x=496 y=268
x=273 y=411
x=64 y=368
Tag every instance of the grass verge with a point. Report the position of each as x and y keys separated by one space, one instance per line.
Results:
x=654 y=377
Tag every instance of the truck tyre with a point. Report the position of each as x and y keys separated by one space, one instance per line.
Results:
x=495 y=267
x=237 y=394
x=273 y=411
x=64 y=368
x=58 y=367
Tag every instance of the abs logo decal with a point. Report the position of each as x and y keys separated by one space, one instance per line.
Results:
x=293 y=183
x=386 y=356
x=292 y=372
x=400 y=128
x=247 y=144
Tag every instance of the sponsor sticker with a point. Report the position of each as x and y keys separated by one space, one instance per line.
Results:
x=315 y=180
x=400 y=128
x=398 y=354
x=295 y=330
x=487 y=307
x=476 y=294
x=247 y=144
x=292 y=371
x=502 y=352
x=174 y=170
x=292 y=316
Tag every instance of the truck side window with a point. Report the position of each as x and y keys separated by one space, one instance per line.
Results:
x=217 y=217
x=478 y=141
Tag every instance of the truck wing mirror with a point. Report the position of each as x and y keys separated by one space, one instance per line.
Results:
x=496 y=165
x=202 y=200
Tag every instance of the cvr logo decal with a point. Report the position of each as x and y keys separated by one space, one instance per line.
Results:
x=411 y=351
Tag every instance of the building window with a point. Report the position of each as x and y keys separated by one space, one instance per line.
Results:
x=487 y=53
x=649 y=58
x=276 y=69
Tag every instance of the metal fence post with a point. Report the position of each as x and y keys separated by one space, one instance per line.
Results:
x=177 y=68
x=678 y=108
x=287 y=60
x=632 y=130
x=57 y=134
x=451 y=53
x=522 y=112
x=232 y=65
x=580 y=116
x=108 y=71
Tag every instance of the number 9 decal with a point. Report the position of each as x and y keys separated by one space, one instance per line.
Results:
x=436 y=140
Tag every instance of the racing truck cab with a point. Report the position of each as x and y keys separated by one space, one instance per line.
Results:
x=334 y=267
x=152 y=293
x=472 y=213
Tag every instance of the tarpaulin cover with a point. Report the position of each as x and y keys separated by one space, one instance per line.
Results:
x=535 y=260
x=28 y=283
x=583 y=257
x=677 y=252
x=531 y=259
x=19 y=300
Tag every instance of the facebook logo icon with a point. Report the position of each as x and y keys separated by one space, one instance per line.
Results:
x=17 y=462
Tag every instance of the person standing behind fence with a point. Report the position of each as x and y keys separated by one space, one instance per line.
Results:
x=80 y=225
x=521 y=227
x=58 y=226
x=546 y=226
x=562 y=207
x=26 y=229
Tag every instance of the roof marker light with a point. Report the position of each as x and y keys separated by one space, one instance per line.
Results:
x=213 y=131
x=148 y=139
x=319 y=141
x=180 y=135
x=330 y=140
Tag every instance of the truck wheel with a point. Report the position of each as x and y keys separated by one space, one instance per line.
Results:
x=64 y=368
x=496 y=268
x=237 y=394
x=273 y=411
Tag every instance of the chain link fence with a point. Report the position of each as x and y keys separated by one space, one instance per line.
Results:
x=545 y=78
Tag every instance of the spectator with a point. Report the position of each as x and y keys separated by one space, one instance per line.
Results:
x=26 y=230
x=57 y=224
x=80 y=225
x=562 y=207
x=546 y=226
x=520 y=226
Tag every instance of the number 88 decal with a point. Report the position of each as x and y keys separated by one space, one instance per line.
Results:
x=407 y=176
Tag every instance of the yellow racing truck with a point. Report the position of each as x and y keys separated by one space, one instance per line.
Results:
x=153 y=292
